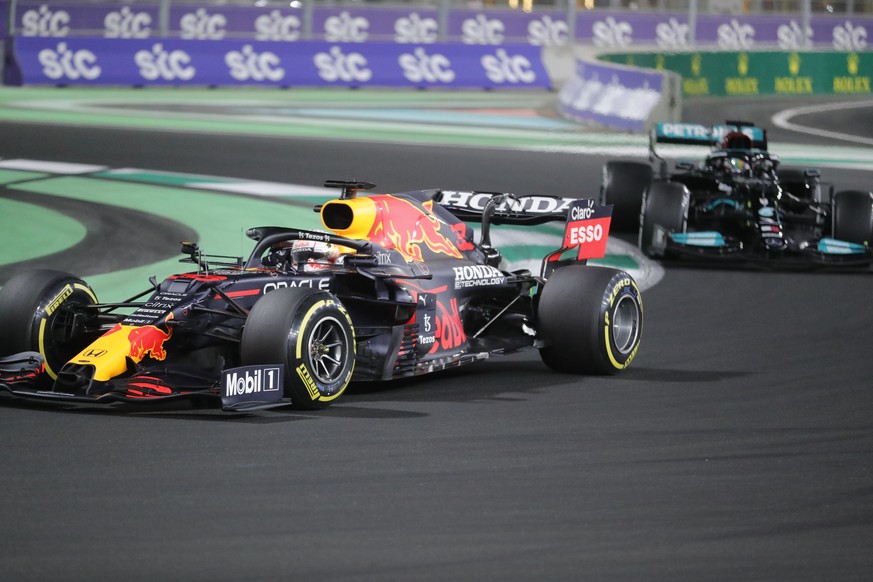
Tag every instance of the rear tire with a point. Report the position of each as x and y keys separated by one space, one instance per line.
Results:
x=40 y=311
x=623 y=185
x=591 y=319
x=310 y=333
x=853 y=216
x=666 y=206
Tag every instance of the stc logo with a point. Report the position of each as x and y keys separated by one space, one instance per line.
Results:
x=125 y=23
x=790 y=36
x=346 y=28
x=201 y=25
x=482 y=30
x=65 y=63
x=503 y=68
x=165 y=65
x=44 y=22
x=672 y=34
x=850 y=37
x=275 y=26
x=337 y=66
x=547 y=32
x=247 y=65
x=420 y=66
x=612 y=33
x=415 y=29
x=736 y=36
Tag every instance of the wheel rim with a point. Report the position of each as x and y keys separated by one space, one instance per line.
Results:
x=625 y=324
x=328 y=350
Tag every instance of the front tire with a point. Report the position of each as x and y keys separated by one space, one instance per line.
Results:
x=44 y=311
x=591 y=319
x=853 y=216
x=623 y=185
x=665 y=210
x=310 y=333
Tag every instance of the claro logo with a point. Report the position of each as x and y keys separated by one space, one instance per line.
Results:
x=501 y=67
x=420 y=66
x=64 y=63
x=45 y=22
x=201 y=25
x=338 y=66
x=126 y=23
x=166 y=65
x=248 y=65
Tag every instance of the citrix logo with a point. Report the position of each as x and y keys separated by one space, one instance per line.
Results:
x=504 y=68
x=66 y=63
x=248 y=65
x=346 y=28
x=44 y=22
x=126 y=23
x=275 y=26
x=548 y=32
x=415 y=29
x=420 y=66
x=337 y=66
x=201 y=25
x=166 y=65
x=482 y=30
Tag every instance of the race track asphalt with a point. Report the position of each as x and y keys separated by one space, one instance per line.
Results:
x=738 y=446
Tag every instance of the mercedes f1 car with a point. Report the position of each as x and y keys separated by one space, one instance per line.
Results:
x=396 y=286
x=737 y=204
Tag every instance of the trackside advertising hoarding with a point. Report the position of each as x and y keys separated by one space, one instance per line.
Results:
x=732 y=74
x=420 y=25
x=615 y=96
x=138 y=62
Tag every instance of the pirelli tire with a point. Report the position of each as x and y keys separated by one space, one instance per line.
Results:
x=591 y=320
x=853 y=216
x=665 y=210
x=310 y=333
x=45 y=311
x=623 y=184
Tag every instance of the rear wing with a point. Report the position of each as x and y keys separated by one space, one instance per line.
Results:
x=705 y=135
x=586 y=224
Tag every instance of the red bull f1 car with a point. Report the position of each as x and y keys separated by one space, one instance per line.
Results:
x=737 y=204
x=395 y=286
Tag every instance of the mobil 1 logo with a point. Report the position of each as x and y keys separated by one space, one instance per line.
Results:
x=250 y=387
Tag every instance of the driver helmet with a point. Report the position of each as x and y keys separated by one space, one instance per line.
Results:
x=737 y=165
x=736 y=140
x=312 y=256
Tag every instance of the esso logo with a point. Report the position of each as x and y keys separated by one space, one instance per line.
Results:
x=275 y=26
x=672 y=34
x=547 y=32
x=338 y=66
x=586 y=233
x=159 y=64
x=504 y=68
x=126 y=23
x=44 y=22
x=248 y=65
x=482 y=30
x=420 y=66
x=790 y=36
x=612 y=33
x=346 y=28
x=850 y=37
x=201 y=25
x=64 y=63
x=415 y=29
x=736 y=36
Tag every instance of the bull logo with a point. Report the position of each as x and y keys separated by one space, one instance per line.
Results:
x=405 y=226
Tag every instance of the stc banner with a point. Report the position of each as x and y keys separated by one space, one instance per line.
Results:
x=102 y=61
x=414 y=25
